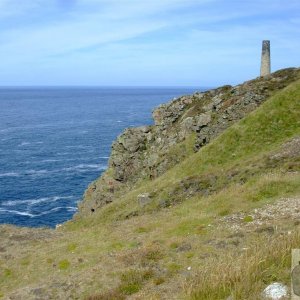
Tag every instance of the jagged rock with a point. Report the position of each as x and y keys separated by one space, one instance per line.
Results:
x=152 y=159
x=145 y=129
x=166 y=114
x=187 y=124
x=216 y=100
x=132 y=139
x=203 y=120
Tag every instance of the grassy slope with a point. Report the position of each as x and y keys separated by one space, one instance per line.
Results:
x=149 y=254
x=243 y=146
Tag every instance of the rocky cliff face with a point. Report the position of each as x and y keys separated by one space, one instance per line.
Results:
x=148 y=151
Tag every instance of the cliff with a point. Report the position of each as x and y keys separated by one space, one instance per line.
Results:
x=202 y=205
x=181 y=127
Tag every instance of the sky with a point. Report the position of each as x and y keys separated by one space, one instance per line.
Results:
x=201 y=43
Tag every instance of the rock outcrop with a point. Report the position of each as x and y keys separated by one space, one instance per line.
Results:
x=148 y=151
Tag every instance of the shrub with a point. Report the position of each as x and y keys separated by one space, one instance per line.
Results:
x=132 y=280
x=64 y=264
x=7 y=272
x=248 y=219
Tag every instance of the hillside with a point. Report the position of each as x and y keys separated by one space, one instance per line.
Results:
x=201 y=205
x=181 y=127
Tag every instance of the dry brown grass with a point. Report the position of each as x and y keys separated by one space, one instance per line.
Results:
x=114 y=294
x=244 y=276
x=142 y=256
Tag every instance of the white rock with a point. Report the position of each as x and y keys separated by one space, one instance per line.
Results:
x=275 y=291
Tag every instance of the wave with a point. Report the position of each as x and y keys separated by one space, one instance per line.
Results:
x=28 y=214
x=57 y=160
x=68 y=208
x=36 y=172
x=79 y=146
x=16 y=212
x=29 y=143
x=72 y=208
x=63 y=153
x=81 y=168
x=24 y=144
x=87 y=150
x=10 y=129
x=9 y=174
x=85 y=167
x=31 y=202
x=49 y=160
x=6 y=129
x=28 y=172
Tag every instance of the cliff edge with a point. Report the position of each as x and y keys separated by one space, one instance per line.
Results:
x=181 y=127
x=202 y=205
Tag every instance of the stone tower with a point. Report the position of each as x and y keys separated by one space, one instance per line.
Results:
x=265 y=68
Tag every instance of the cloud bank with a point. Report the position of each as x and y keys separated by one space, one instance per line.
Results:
x=133 y=42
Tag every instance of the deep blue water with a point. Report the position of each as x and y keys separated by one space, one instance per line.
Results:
x=55 y=141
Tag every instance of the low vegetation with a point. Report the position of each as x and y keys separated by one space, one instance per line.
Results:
x=205 y=234
x=244 y=276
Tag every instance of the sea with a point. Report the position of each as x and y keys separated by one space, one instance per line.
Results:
x=54 y=141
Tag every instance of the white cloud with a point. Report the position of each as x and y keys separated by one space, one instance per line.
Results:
x=59 y=35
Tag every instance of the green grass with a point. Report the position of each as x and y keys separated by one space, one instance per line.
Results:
x=248 y=219
x=7 y=272
x=71 y=247
x=240 y=148
x=64 y=264
x=276 y=121
x=246 y=275
x=121 y=254
x=132 y=280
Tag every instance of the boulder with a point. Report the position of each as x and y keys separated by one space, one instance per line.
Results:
x=275 y=291
x=203 y=119
x=133 y=139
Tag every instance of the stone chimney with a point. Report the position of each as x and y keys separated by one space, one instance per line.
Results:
x=265 y=68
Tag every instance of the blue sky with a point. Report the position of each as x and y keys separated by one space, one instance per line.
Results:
x=144 y=43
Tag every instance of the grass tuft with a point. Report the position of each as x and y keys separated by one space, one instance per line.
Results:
x=248 y=219
x=64 y=264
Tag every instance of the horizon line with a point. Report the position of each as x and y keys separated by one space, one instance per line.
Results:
x=103 y=86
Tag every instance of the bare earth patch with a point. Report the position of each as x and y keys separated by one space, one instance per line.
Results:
x=270 y=214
